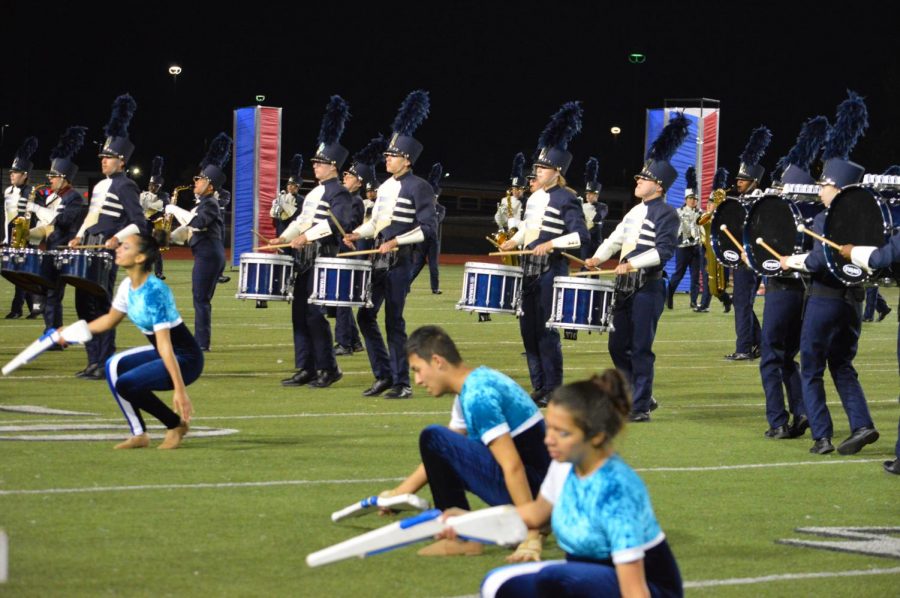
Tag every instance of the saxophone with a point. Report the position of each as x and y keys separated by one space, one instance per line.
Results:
x=162 y=227
x=22 y=224
x=502 y=236
x=714 y=270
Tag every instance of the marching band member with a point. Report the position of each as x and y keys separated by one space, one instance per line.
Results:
x=312 y=234
x=553 y=220
x=783 y=309
x=284 y=207
x=646 y=241
x=688 y=254
x=223 y=198
x=720 y=183
x=114 y=214
x=171 y=362
x=153 y=202
x=832 y=321
x=403 y=215
x=509 y=209
x=430 y=249
x=595 y=211
x=599 y=508
x=15 y=199
x=746 y=281
x=202 y=229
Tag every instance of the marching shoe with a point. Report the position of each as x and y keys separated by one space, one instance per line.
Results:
x=437 y=292
x=482 y=317
x=140 y=441
x=754 y=352
x=161 y=276
x=867 y=320
x=358 y=347
x=892 y=466
x=34 y=315
x=857 y=440
x=452 y=548
x=654 y=404
x=739 y=356
x=13 y=315
x=779 y=433
x=300 y=378
x=638 y=417
x=702 y=310
x=883 y=314
x=822 y=446
x=88 y=372
x=799 y=427
x=399 y=392
x=694 y=306
x=670 y=301
x=174 y=436
x=326 y=378
x=341 y=350
x=97 y=374
x=726 y=301
x=223 y=279
x=378 y=387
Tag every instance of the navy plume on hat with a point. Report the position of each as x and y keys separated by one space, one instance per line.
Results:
x=295 y=167
x=852 y=120
x=156 y=171
x=22 y=161
x=363 y=163
x=517 y=175
x=117 y=144
x=61 y=156
x=892 y=170
x=413 y=112
x=720 y=181
x=690 y=182
x=554 y=140
x=337 y=112
x=434 y=177
x=657 y=167
x=750 y=168
x=217 y=156
x=591 y=170
x=795 y=166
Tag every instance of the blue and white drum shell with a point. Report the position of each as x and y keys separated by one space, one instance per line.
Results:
x=264 y=276
x=862 y=215
x=87 y=269
x=341 y=282
x=490 y=288
x=581 y=304
x=774 y=219
x=31 y=269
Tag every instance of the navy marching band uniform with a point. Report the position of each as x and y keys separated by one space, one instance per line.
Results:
x=284 y=207
x=689 y=253
x=346 y=334
x=430 y=249
x=15 y=200
x=594 y=211
x=154 y=202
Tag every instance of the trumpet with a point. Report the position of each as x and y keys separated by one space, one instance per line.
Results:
x=162 y=227
x=22 y=224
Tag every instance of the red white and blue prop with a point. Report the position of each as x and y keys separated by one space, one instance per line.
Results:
x=401 y=502
x=497 y=525
x=74 y=333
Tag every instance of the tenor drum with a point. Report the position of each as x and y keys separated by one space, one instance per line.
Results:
x=581 y=304
x=30 y=269
x=732 y=213
x=265 y=276
x=490 y=288
x=341 y=282
x=861 y=215
x=87 y=269
x=774 y=219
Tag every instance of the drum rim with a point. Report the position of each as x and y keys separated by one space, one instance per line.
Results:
x=570 y=282
x=267 y=258
x=474 y=266
x=352 y=264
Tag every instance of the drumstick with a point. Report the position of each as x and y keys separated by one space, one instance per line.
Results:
x=339 y=227
x=768 y=248
x=364 y=252
x=592 y=273
x=817 y=236
x=724 y=229
x=517 y=252
x=493 y=242
x=280 y=246
x=83 y=247
x=577 y=260
x=261 y=238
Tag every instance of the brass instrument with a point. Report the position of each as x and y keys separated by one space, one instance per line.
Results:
x=22 y=224
x=162 y=227
x=502 y=236
x=714 y=270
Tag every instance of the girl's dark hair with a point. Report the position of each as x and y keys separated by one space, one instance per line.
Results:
x=601 y=404
x=149 y=248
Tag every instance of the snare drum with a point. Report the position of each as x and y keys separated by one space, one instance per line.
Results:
x=341 y=282
x=581 y=304
x=861 y=215
x=774 y=219
x=265 y=276
x=731 y=212
x=490 y=288
x=87 y=269
x=30 y=269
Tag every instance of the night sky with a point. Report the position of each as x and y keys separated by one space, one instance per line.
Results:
x=495 y=75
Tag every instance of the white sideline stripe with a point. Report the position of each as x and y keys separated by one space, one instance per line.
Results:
x=37 y=409
x=374 y=480
x=201 y=486
x=738 y=581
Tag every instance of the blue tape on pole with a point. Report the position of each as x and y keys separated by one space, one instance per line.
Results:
x=245 y=133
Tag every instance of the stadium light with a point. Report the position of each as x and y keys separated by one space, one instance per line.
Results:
x=637 y=58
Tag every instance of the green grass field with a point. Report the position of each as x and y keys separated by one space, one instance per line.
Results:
x=235 y=515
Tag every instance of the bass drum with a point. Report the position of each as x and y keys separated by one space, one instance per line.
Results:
x=861 y=215
x=774 y=219
x=732 y=213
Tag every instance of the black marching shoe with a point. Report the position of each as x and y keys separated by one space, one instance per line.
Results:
x=35 y=314
x=639 y=417
x=755 y=352
x=701 y=310
x=482 y=317
x=780 y=433
x=799 y=427
x=739 y=356
x=340 y=350
x=654 y=404
x=726 y=301
x=670 y=301
x=326 y=378
x=883 y=314
x=301 y=378
x=378 y=387
x=399 y=392
x=822 y=446
x=892 y=466
x=860 y=438
x=540 y=397
x=693 y=306
x=96 y=374
x=13 y=315
x=88 y=371
x=437 y=292
x=358 y=347
x=223 y=279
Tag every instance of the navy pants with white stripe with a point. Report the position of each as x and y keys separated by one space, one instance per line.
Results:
x=746 y=324
x=389 y=288
x=134 y=374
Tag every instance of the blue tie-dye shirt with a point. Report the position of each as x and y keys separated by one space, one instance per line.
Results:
x=604 y=515
x=492 y=404
x=151 y=306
